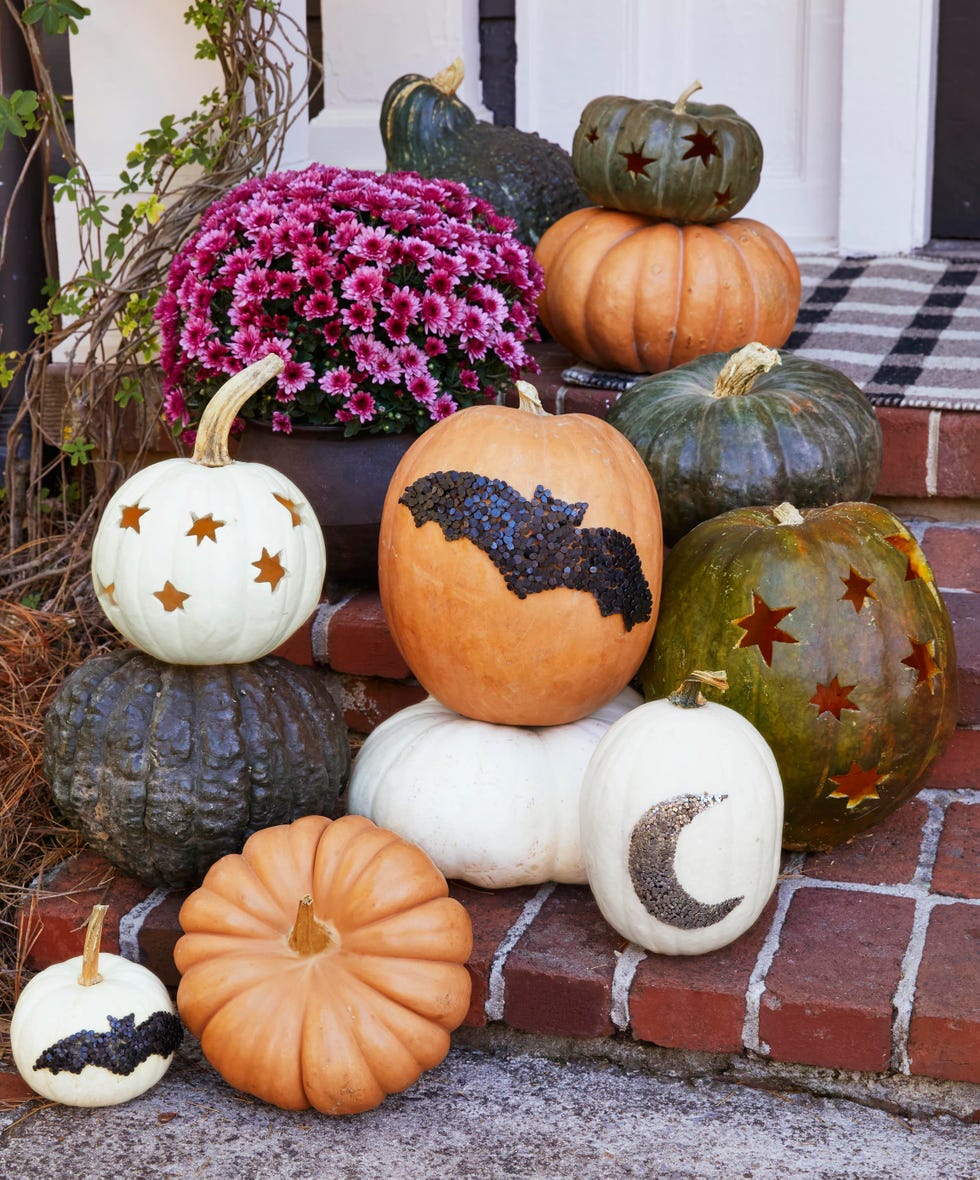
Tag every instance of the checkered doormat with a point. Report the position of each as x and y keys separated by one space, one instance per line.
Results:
x=905 y=329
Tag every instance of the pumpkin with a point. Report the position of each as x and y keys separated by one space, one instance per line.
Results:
x=495 y=805
x=681 y=816
x=837 y=645
x=94 y=1030
x=679 y=161
x=747 y=427
x=165 y=768
x=519 y=562
x=427 y=128
x=323 y=966
x=203 y=560
x=626 y=292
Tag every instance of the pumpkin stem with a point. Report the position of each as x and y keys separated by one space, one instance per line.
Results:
x=681 y=105
x=688 y=695
x=90 y=952
x=449 y=79
x=528 y=400
x=739 y=372
x=787 y=514
x=308 y=936
x=211 y=444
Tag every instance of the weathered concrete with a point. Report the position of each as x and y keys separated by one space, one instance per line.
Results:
x=503 y=1107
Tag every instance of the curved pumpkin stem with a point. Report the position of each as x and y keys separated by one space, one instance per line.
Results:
x=688 y=695
x=308 y=936
x=739 y=372
x=786 y=513
x=450 y=79
x=93 y=941
x=528 y=400
x=211 y=444
x=681 y=105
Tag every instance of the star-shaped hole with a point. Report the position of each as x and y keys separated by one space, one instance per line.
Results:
x=723 y=200
x=917 y=567
x=291 y=507
x=636 y=161
x=171 y=598
x=703 y=146
x=130 y=517
x=205 y=528
x=270 y=568
x=592 y=134
x=857 y=590
x=761 y=630
x=857 y=785
x=923 y=662
x=109 y=591
x=833 y=697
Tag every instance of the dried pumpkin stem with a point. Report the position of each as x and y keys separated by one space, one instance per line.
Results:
x=739 y=372
x=787 y=513
x=528 y=400
x=681 y=105
x=308 y=936
x=211 y=444
x=448 y=81
x=90 y=952
x=688 y=695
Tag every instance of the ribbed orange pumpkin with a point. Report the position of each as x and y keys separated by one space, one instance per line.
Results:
x=624 y=291
x=519 y=563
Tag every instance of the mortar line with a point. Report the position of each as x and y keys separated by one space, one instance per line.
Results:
x=494 y=1006
x=785 y=892
x=321 y=626
x=627 y=961
x=130 y=924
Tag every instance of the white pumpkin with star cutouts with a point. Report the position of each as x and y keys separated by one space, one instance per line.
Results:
x=204 y=560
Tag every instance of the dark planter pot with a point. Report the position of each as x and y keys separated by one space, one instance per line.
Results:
x=345 y=481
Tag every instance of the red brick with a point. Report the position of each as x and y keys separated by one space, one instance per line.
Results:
x=964 y=610
x=958 y=767
x=492 y=914
x=944 y=1033
x=959 y=454
x=157 y=937
x=558 y=979
x=886 y=855
x=298 y=648
x=828 y=997
x=368 y=700
x=359 y=641
x=697 y=1002
x=957 y=868
x=581 y=400
x=953 y=551
x=13 y=1089
x=905 y=439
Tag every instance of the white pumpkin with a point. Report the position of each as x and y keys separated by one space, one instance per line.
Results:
x=495 y=805
x=205 y=560
x=95 y=1030
x=681 y=817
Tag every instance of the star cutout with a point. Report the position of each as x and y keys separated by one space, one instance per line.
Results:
x=916 y=567
x=857 y=590
x=171 y=598
x=922 y=660
x=723 y=200
x=592 y=134
x=290 y=507
x=857 y=785
x=270 y=568
x=703 y=146
x=109 y=591
x=636 y=161
x=761 y=630
x=205 y=527
x=833 y=697
x=130 y=517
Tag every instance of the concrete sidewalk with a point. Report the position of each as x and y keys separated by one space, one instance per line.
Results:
x=496 y=1108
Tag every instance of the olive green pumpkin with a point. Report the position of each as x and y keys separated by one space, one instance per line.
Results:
x=425 y=128
x=837 y=646
x=677 y=161
x=750 y=427
x=164 y=768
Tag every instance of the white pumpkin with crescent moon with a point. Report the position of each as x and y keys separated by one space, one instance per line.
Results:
x=681 y=816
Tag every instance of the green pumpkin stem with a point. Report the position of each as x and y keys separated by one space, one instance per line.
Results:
x=308 y=936
x=90 y=952
x=739 y=372
x=449 y=80
x=681 y=105
x=688 y=695
x=787 y=513
x=211 y=444
x=528 y=400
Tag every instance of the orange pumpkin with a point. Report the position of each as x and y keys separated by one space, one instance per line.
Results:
x=323 y=966
x=624 y=291
x=520 y=562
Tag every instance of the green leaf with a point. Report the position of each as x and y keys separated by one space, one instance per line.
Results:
x=56 y=16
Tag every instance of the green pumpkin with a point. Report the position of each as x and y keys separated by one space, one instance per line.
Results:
x=676 y=161
x=164 y=768
x=837 y=647
x=748 y=427
x=425 y=128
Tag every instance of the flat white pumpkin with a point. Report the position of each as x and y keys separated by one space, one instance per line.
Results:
x=681 y=815
x=205 y=560
x=98 y=1043
x=495 y=805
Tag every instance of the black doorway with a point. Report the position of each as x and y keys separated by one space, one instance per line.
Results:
x=956 y=162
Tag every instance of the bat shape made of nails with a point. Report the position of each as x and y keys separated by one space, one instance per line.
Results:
x=120 y=1050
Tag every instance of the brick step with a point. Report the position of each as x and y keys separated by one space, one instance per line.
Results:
x=865 y=958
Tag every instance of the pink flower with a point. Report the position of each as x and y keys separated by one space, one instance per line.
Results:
x=442 y=407
x=362 y=405
x=339 y=381
x=363 y=284
x=295 y=377
x=281 y=422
